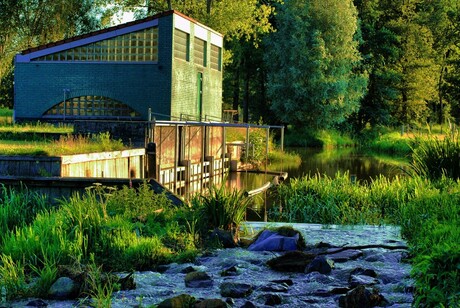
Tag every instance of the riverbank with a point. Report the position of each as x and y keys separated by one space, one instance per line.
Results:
x=382 y=269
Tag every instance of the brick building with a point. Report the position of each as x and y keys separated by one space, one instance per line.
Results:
x=168 y=63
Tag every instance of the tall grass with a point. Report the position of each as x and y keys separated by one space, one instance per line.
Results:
x=427 y=210
x=18 y=208
x=65 y=145
x=119 y=229
x=434 y=157
x=221 y=208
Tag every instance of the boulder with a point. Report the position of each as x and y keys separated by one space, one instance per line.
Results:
x=362 y=297
x=344 y=256
x=198 y=280
x=292 y=261
x=282 y=239
x=235 y=290
x=225 y=238
x=211 y=303
x=320 y=264
x=180 y=301
x=64 y=288
x=273 y=299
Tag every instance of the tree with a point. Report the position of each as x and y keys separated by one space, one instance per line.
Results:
x=29 y=23
x=243 y=24
x=314 y=78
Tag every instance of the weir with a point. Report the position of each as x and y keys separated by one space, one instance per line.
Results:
x=182 y=157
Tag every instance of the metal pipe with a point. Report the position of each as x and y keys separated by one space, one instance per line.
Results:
x=259 y=190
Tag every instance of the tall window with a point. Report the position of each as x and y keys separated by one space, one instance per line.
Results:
x=199 y=52
x=181 y=45
x=91 y=107
x=131 y=47
x=216 y=57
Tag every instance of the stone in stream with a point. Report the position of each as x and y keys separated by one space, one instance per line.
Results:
x=281 y=239
x=292 y=261
x=64 y=288
x=182 y=300
x=211 y=303
x=320 y=264
x=275 y=287
x=344 y=255
x=235 y=290
x=273 y=299
x=362 y=297
x=198 y=280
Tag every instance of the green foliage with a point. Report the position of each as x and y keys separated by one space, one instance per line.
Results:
x=313 y=73
x=104 y=227
x=18 y=208
x=427 y=212
x=435 y=157
x=12 y=278
x=220 y=208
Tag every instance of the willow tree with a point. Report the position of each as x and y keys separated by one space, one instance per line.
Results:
x=313 y=62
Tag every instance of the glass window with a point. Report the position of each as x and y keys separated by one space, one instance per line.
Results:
x=181 y=45
x=216 y=57
x=127 y=47
x=199 y=52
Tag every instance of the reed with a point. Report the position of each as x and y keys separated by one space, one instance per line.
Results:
x=221 y=208
x=434 y=157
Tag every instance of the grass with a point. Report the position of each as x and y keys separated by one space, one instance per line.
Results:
x=104 y=226
x=427 y=210
x=65 y=145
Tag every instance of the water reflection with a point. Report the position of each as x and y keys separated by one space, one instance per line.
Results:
x=359 y=165
x=328 y=162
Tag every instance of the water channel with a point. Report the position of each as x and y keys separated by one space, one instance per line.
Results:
x=359 y=165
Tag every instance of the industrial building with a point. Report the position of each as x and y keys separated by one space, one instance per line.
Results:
x=168 y=66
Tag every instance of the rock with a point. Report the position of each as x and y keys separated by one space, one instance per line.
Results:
x=292 y=261
x=198 y=280
x=320 y=278
x=127 y=282
x=273 y=299
x=274 y=287
x=64 y=288
x=211 y=303
x=231 y=271
x=361 y=297
x=344 y=256
x=188 y=269
x=279 y=240
x=235 y=290
x=225 y=238
x=248 y=304
x=180 y=301
x=320 y=264
x=288 y=282
x=365 y=272
x=386 y=257
x=357 y=280
x=37 y=303
x=230 y=301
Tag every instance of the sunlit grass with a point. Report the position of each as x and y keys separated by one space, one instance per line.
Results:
x=66 y=145
x=36 y=127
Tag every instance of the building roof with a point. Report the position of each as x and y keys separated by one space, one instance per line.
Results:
x=110 y=29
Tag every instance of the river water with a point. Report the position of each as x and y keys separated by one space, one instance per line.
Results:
x=359 y=165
